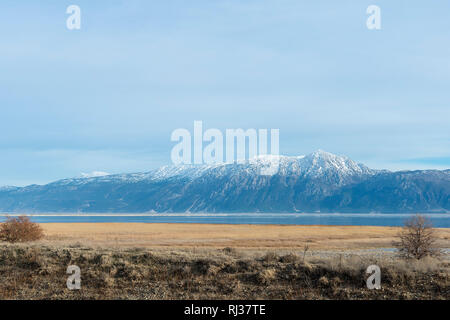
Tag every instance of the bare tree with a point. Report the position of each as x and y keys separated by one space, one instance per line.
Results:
x=417 y=239
x=20 y=229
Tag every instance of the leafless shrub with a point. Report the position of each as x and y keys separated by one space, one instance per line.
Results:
x=20 y=229
x=230 y=251
x=270 y=257
x=305 y=249
x=289 y=258
x=417 y=239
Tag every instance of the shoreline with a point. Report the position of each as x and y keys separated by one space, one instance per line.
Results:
x=200 y=214
x=231 y=224
x=439 y=220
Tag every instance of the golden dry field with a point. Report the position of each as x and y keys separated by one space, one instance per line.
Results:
x=200 y=261
x=183 y=235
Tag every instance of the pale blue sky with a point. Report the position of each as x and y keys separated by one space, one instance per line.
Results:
x=108 y=96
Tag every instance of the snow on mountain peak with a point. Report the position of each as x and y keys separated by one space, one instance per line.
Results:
x=314 y=165
x=94 y=174
x=320 y=161
x=317 y=164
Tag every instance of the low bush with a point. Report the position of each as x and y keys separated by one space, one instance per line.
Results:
x=20 y=229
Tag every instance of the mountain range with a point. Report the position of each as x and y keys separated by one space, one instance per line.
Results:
x=318 y=182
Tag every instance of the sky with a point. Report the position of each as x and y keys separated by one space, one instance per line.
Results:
x=106 y=97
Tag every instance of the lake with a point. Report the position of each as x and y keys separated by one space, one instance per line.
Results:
x=439 y=220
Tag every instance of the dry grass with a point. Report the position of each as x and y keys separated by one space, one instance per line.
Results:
x=191 y=261
x=153 y=235
x=39 y=272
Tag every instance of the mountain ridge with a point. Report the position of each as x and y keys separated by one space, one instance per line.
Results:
x=319 y=181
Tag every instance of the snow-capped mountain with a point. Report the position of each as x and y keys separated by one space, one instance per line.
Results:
x=320 y=181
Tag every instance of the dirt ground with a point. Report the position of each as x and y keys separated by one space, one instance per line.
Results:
x=200 y=261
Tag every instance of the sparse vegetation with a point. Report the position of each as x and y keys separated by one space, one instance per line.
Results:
x=39 y=272
x=159 y=261
x=20 y=229
x=417 y=239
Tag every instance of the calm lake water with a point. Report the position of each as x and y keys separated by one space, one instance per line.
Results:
x=438 y=220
